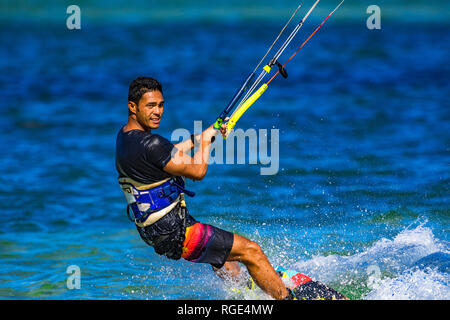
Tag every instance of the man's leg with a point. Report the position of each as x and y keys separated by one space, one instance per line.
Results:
x=259 y=267
x=204 y=243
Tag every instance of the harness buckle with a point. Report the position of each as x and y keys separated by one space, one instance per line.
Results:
x=167 y=191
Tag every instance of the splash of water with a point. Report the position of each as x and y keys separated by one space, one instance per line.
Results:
x=412 y=265
x=387 y=269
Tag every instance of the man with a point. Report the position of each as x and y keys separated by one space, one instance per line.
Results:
x=151 y=174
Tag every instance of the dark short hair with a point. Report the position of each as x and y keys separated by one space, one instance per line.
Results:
x=142 y=85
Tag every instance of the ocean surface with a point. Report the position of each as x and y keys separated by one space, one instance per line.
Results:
x=360 y=200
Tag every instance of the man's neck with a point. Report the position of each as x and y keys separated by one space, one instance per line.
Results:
x=133 y=125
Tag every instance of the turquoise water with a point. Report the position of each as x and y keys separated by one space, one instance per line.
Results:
x=360 y=200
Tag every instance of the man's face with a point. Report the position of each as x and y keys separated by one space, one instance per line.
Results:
x=150 y=109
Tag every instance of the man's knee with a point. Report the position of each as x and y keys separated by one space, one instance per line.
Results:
x=245 y=250
x=254 y=248
x=252 y=251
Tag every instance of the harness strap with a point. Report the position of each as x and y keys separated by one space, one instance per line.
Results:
x=155 y=216
x=147 y=203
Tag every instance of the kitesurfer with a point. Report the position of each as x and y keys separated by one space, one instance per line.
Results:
x=152 y=173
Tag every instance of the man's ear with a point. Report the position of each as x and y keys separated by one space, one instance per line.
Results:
x=132 y=107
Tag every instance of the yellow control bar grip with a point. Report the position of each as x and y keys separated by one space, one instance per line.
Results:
x=239 y=112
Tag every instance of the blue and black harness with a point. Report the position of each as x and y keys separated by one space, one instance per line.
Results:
x=157 y=198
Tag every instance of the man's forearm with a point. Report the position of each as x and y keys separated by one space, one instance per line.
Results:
x=189 y=144
x=185 y=146
x=202 y=155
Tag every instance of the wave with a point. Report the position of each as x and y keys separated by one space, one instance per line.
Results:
x=414 y=265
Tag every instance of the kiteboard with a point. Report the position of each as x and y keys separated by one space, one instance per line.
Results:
x=305 y=288
x=302 y=286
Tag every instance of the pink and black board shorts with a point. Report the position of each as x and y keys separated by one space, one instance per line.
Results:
x=189 y=239
x=207 y=244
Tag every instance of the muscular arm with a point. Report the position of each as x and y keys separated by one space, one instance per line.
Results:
x=186 y=145
x=194 y=167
